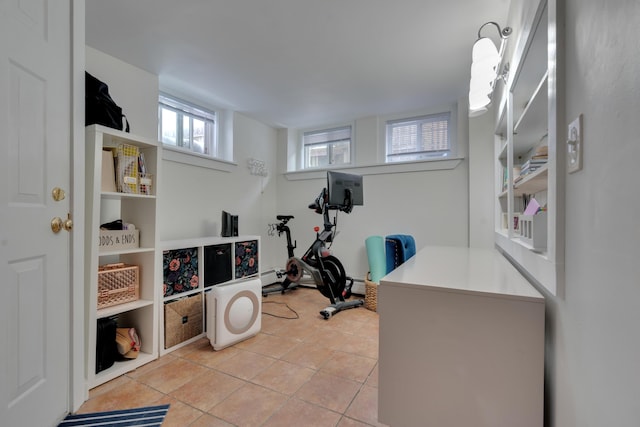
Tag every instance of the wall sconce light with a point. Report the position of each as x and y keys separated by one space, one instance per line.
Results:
x=485 y=65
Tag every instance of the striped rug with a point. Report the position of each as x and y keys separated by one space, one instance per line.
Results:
x=150 y=416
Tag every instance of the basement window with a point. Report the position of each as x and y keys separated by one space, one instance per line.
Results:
x=419 y=138
x=187 y=127
x=327 y=147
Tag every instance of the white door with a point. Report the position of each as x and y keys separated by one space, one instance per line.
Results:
x=35 y=133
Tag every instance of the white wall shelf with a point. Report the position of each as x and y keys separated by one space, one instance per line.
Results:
x=527 y=119
x=127 y=251
x=535 y=110
x=140 y=210
x=533 y=183
x=123 y=308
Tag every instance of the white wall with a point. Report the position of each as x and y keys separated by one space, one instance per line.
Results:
x=133 y=89
x=191 y=198
x=481 y=180
x=433 y=206
x=593 y=342
x=592 y=348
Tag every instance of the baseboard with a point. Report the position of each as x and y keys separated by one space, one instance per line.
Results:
x=268 y=277
x=358 y=288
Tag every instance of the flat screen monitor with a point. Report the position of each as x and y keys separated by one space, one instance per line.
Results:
x=338 y=183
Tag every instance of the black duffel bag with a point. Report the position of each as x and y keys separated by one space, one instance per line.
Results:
x=99 y=108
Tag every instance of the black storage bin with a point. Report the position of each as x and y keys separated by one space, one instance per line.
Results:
x=217 y=264
x=106 y=348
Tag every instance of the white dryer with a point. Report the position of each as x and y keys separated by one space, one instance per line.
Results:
x=234 y=312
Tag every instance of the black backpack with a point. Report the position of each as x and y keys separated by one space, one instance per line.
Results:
x=99 y=108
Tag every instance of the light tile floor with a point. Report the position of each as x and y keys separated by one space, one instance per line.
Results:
x=303 y=371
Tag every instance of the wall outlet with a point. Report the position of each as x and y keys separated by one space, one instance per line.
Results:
x=574 y=145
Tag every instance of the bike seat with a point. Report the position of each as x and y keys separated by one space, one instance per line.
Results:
x=284 y=217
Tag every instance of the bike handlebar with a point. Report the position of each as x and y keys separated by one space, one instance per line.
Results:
x=321 y=205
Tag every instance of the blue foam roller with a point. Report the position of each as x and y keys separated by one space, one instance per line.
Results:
x=375 y=254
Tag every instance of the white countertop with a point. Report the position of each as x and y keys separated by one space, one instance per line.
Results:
x=459 y=269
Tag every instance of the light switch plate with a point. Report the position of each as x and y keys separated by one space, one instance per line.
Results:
x=574 y=145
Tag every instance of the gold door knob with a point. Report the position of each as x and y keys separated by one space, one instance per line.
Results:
x=58 y=194
x=68 y=223
x=56 y=224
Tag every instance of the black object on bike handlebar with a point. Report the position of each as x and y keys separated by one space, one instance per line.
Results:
x=320 y=204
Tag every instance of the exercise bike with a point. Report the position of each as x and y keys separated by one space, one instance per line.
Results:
x=326 y=270
x=282 y=227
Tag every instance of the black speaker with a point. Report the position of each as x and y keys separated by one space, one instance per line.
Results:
x=234 y=224
x=228 y=225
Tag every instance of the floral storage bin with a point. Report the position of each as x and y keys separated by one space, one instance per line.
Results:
x=246 y=258
x=180 y=270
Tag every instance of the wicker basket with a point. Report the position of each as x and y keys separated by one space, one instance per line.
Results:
x=117 y=284
x=370 y=294
x=182 y=319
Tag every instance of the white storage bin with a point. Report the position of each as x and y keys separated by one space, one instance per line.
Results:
x=533 y=230
x=117 y=240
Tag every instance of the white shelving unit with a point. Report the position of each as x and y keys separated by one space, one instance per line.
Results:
x=237 y=272
x=137 y=209
x=528 y=117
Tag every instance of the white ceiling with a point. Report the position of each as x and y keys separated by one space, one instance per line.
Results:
x=299 y=63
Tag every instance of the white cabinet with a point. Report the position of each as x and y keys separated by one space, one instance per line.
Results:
x=461 y=342
x=529 y=157
x=190 y=267
x=137 y=209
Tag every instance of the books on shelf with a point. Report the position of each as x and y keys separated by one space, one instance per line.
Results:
x=536 y=161
x=532 y=165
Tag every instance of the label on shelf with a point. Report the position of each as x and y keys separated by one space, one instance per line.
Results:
x=114 y=240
